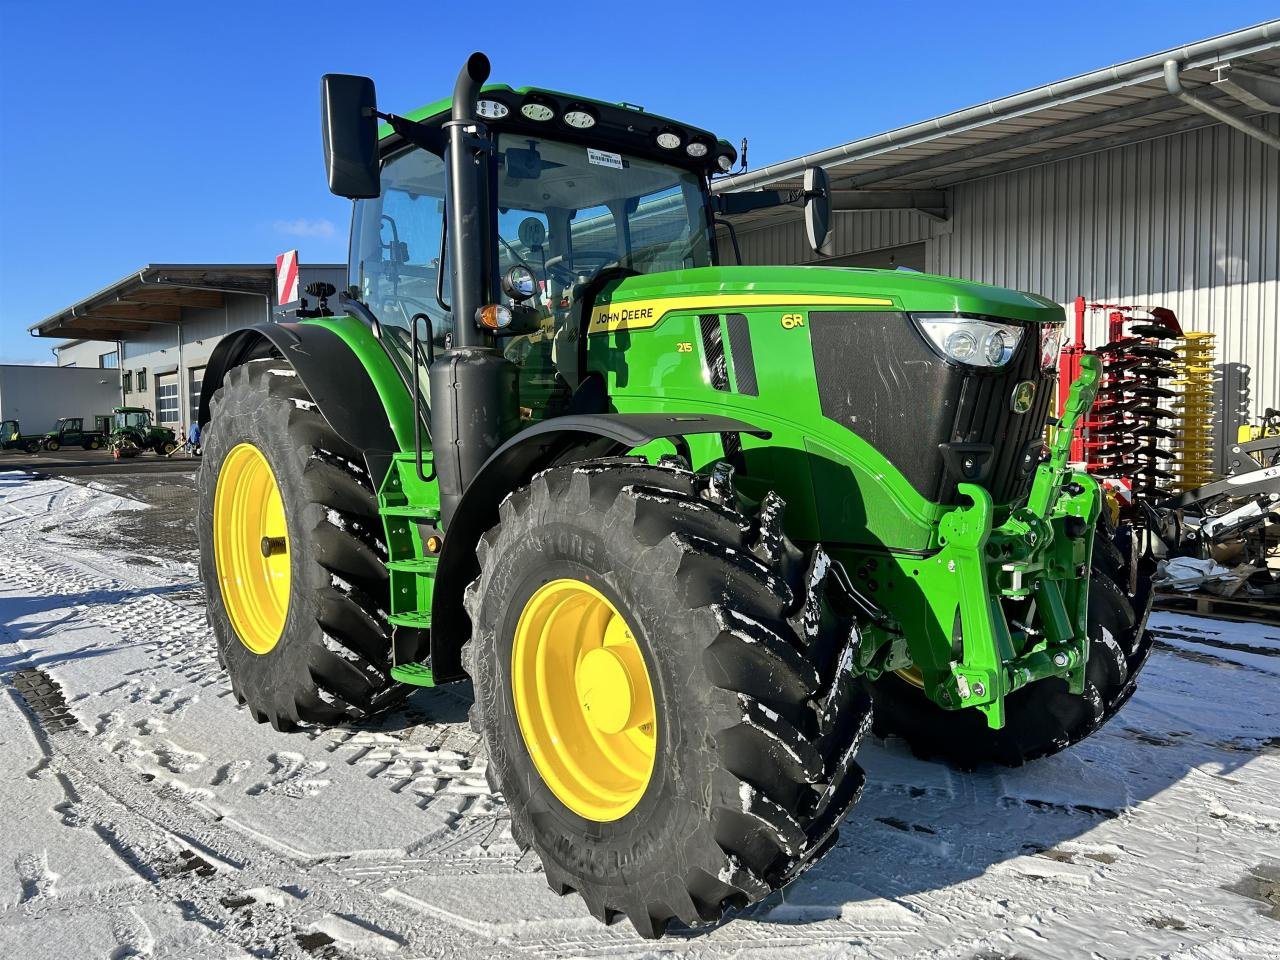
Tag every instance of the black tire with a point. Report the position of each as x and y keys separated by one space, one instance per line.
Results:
x=758 y=716
x=1042 y=718
x=31 y=446
x=52 y=445
x=332 y=660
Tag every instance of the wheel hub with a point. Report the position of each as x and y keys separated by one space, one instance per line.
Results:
x=583 y=700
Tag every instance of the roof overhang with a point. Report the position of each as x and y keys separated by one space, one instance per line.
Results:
x=1127 y=103
x=154 y=296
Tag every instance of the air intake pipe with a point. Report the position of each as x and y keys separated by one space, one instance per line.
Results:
x=474 y=405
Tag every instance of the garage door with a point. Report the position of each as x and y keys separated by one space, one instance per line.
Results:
x=167 y=400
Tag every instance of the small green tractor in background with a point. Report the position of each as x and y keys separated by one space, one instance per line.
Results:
x=686 y=526
x=132 y=431
x=70 y=431
x=12 y=438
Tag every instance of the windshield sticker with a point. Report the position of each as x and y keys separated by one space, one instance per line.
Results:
x=602 y=158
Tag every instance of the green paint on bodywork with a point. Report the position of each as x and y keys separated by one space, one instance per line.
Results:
x=387 y=376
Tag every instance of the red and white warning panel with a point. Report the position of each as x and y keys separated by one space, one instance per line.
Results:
x=287 y=278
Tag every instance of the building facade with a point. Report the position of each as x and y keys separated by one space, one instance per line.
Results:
x=38 y=396
x=102 y=354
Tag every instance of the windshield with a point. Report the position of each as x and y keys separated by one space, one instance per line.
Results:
x=566 y=212
x=136 y=419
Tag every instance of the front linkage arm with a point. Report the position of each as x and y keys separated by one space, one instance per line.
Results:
x=1041 y=553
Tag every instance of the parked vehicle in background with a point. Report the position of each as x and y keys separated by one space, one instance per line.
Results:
x=132 y=431
x=70 y=431
x=11 y=438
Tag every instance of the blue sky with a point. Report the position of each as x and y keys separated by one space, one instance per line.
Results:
x=135 y=132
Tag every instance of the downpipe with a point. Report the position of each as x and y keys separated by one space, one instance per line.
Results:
x=1173 y=83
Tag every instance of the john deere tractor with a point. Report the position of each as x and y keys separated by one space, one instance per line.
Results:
x=133 y=431
x=683 y=523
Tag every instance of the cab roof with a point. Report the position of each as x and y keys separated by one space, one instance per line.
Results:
x=621 y=126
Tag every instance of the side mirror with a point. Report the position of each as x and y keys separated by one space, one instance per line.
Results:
x=817 y=211
x=349 y=123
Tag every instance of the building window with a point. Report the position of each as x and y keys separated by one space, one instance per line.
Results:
x=142 y=380
x=197 y=380
x=167 y=400
x=109 y=361
x=126 y=382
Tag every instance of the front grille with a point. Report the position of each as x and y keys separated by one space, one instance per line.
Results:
x=877 y=377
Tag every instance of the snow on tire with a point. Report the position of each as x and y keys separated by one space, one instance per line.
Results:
x=757 y=716
x=332 y=660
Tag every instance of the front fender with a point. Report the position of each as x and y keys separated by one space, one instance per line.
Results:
x=370 y=409
x=551 y=443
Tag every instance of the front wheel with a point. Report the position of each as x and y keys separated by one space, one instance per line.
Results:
x=291 y=555
x=660 y=683
x=1041 y=718
x=52 y=445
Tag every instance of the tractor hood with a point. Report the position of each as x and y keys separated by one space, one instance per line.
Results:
x=895 y=289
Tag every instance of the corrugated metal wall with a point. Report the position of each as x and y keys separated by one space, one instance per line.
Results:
x=1190 y=222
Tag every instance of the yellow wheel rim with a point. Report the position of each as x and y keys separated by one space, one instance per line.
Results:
x=251 y=548
x=583 y=700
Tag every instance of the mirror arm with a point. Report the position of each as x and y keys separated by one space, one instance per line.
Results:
x=430 y=139
x=733 y=204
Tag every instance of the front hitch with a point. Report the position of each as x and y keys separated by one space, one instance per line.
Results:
x=1040 y=555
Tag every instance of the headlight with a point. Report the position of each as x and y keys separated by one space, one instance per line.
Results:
x=970 y=340
x=1050 y=344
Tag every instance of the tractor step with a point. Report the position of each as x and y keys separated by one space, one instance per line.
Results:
x=425 y=565
x=416 y=674
x=430 y=514
x=418 y=619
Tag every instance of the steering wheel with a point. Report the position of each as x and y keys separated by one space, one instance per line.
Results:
x=568 y=276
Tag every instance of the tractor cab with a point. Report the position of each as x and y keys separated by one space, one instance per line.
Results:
x=131 y=418
x=9 y=431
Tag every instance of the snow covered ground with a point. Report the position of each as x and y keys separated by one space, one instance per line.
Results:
x=151 y=817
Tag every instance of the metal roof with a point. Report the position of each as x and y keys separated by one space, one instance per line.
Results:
x=156 y=295
x=1115 y=106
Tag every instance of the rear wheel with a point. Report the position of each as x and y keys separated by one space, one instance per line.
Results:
x=92 y=444
x=1042 y=718
x=663 y=689
x=291 y=555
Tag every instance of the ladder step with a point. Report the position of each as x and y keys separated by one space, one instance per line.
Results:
x=417 y=674
x=418 y=619
x=413 y=513
x=426 y=565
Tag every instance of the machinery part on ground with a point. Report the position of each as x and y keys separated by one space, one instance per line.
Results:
x=1125 y=437
x=1043 y=719
x=292 y=556
x=1193 y=446
x=663 y=688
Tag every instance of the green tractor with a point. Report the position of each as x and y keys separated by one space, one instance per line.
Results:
x=132 y=431
x=683 y=524
x=12 y=438
x=70 y=431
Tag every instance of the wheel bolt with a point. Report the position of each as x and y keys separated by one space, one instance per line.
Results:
x=273 y=546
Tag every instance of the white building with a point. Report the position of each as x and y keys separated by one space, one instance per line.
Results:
x=38 y=396
x=167 y=318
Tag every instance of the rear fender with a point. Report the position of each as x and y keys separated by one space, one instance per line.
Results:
x=554 y=442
